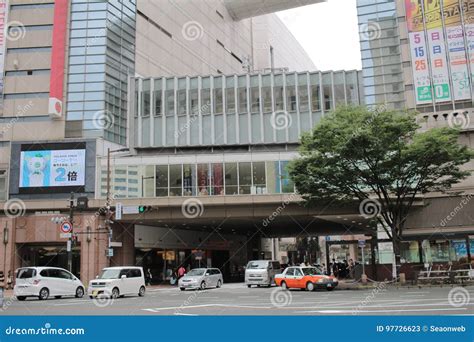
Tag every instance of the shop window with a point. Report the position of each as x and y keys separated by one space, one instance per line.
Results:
x=258 y=178
x=176 y=180
x=231 y=182
x=217 y=179
x=203 y=180
x=245 y=178
x=438 y=251
x=161 y=180
x=189 y=180
x=409 y=252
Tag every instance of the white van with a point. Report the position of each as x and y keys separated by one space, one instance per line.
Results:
x=261 y=272
x=45 y=282
x=117 y=282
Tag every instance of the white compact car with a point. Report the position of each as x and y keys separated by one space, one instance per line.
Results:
x=201 y=278
x=43 y=282
x=117 y=282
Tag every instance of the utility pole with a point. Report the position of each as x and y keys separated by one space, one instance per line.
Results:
x=70 y=239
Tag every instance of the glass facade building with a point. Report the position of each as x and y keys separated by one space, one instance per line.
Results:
x=245 y=109
x=380 y=52
x=101 y=58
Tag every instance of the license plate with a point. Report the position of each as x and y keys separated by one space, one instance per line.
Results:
x=329 y=285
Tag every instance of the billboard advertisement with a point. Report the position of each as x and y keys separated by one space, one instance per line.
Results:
x=60 y=168
x=440 y=22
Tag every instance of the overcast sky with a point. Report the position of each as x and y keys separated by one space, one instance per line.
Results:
x=328 y=32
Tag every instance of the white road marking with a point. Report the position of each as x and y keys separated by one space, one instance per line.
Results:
x=378 y=311
x=184 y=314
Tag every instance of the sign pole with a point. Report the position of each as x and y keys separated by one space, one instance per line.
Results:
x=69 y=242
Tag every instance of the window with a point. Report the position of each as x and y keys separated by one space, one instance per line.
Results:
x=258 y=178
x=242 y=94
x=182 y=102
x=290 y=93
x=169 y=97
x=218 y=97
x=303 y=98
x=203 y=180
x=290 y=272
x=298 y=272
x=278 y=92
x=3 y=184
x=245 y=178
x=189 y=179
x=64 y=275
x=231 y=182
x=217 y=179
x=287 y=185
x=176 y=180
x=146 y=98
x=254 y=94
x=273 y=177
x=327 y=91
x=134 y=273
x=161 y=180
x=205 y=96
x=230 y=96
x=266 y=94
x=158 y=98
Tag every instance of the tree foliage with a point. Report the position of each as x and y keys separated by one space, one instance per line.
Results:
x=355 y=153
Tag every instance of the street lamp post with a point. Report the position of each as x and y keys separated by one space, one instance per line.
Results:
x=107 y=198
x=70 y=240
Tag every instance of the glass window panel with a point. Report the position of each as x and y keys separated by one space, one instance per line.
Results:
x=245 y=178
x=189 y=180
x=169 y=96
x=161 y=180
x=182 y=102
x=193 y=102
x=157 y=97
x=287 y=185
x=176 y=180
x=327 y=91
x=203 y=180
x=231 y=181
x=254 y=95
x=258 y=178
x=146 y=98
x=230 y=100
x=273 y=177
x=217 y=179
x=218 y=101
x=290 y=93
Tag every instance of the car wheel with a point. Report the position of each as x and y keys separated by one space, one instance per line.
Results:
x=43 y=294
x=79 y=292
x=219 y=284
x=21 y=298
x=141 y=292
x=203 y=285
x=329 y=288
x=284 y=286
x=309 y=286
x=249 y=286
x=115 y=293
x=182 y=288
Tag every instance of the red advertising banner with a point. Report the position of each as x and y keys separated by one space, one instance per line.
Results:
x=58 y=55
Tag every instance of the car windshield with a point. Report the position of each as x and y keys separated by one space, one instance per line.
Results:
x=25 y=273
x=110 y=274
x=254 y=265
x=311 y=271
x=196 y=272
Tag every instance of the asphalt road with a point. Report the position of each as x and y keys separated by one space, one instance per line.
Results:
x=237 y=299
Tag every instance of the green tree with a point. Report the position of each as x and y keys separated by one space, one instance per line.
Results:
x=379 y=158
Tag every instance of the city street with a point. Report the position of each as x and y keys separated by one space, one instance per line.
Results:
x=237 y=299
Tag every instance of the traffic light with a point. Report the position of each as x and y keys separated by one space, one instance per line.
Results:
x=144 y=208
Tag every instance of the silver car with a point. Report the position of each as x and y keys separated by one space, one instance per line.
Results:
x=201 y=278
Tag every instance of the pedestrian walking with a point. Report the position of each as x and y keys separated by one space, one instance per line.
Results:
x=181 y=272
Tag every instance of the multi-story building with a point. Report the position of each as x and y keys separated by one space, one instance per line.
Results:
x=67 y=99
x=418 y=55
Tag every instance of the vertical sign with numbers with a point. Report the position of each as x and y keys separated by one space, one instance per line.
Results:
x=456 y=50
x=419 y=52
x=439 y=65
